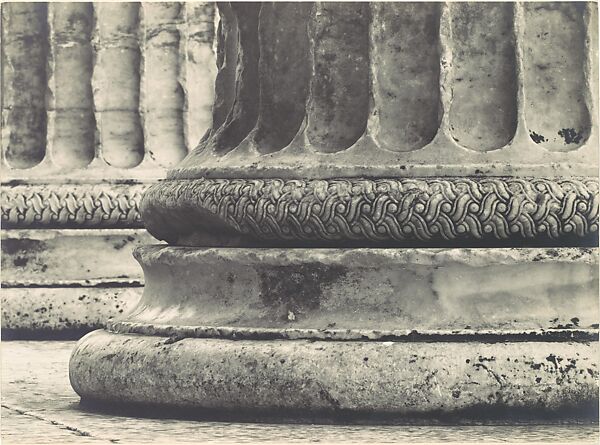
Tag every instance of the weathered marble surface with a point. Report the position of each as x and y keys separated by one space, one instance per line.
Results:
x=71 y=256
x=369 y=377
x=391 y=123
x=371 y=290
x=351 y=141
x=82 y=89
x=403 y=90
x=62 y=283
x=90 y=116
x=368 y=325
x=39 y=406
x=50 y=312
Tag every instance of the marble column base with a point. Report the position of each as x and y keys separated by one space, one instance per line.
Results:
x=403 y=378
x=401 y=332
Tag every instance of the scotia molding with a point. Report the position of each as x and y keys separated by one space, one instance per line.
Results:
x=373 y=210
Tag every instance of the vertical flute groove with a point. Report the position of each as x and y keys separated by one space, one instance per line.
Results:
x=338 y=108
x=554 y=75
x=71 y=123
x=283 y=72
x=518 y=36
x=243 y=114
x=445 y=67
x=227 y=59
x=483 y=114
x=405 y=53
x=116 y=83
x=590 y=20
x=24 y=83
x=163 y=102
x=198 y=70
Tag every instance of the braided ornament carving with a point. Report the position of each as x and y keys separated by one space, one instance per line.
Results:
x=379 y=210
x=92 y=206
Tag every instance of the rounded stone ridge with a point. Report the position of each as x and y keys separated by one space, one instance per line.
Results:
x=397 y=379
x=428 y=211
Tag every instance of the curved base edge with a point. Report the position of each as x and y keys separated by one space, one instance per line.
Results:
x=356 y=378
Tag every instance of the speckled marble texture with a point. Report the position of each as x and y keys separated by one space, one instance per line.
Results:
x=385 y=378
x=40 y=407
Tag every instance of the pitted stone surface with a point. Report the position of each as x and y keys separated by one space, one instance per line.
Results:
x=399 y=378
x=39 y=406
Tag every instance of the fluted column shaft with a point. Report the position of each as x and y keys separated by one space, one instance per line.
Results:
x=104 y=88
x=403 y=86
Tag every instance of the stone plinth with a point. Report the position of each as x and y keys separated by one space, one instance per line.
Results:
x=381 y=220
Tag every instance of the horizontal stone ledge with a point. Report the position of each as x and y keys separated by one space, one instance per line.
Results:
x=63 y=284
x=71 y=257
x=177 y=333
x=388 y=378
x=351 y=164
x=61 y=312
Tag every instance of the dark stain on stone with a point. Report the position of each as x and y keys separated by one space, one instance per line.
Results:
x=297 y=288
x=538 y=379
x=575 y=321
x=456 y=393
x=552 y=359
x=536 y=365
x=537 y=138
x=571 y=365
x=12 y=246
x=120 y=244
x=20 y=261
x=570 y=135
